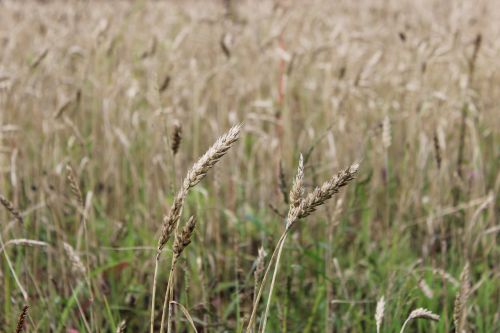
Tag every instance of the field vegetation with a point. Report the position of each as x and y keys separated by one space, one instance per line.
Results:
x=281 y=166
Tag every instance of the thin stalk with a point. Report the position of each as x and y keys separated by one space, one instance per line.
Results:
x=264 y=320
x=170 y=308
x=167 y=294
x=262 y=284
x=404 y=324
x=153 y=293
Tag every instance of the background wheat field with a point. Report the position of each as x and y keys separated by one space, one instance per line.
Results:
x=94 y=96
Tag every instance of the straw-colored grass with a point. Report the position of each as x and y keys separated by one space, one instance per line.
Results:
x=107 y=106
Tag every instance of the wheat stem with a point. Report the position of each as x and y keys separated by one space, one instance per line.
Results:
x=262 y=284
x=273 y=281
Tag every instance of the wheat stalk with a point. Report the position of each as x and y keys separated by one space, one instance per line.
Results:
x=299 y=208
x=181 y=241
x=73 y=183
x=170 y=221
x=9 y=206
x=259 y=269
x=419 y=313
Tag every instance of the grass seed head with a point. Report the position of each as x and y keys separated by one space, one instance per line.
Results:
x=176 y=138
x=297 y=190
x=22 y=319
x=379 y=312
x=324 y=192
x=73 y=185
x=460 y=308
x=211 y=157
x=9 y=206
x=76 y=263
x=183 y=239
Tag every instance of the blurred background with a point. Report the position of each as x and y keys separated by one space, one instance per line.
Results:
x=408 y=89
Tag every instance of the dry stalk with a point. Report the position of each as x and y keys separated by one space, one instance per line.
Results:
x=181 y=241
x=73 y=183
x=299 y=208
x=259 y=269
x=472 y=60
x=170 y=221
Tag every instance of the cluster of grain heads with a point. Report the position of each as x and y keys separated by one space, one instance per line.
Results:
x=22 y=319
x=9 y=206
x=419 y=313
x=171 y=220
x=300 y=207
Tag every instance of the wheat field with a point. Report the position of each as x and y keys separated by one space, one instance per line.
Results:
x=250 y=166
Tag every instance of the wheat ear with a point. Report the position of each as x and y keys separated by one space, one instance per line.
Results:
x=22 y=319
x=176 y=139
x=419 y=313
x=9 y=206
x=73 y=185
x=460 y=308
x=379 y=313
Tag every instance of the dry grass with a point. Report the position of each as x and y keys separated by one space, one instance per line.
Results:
x=131 y=93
